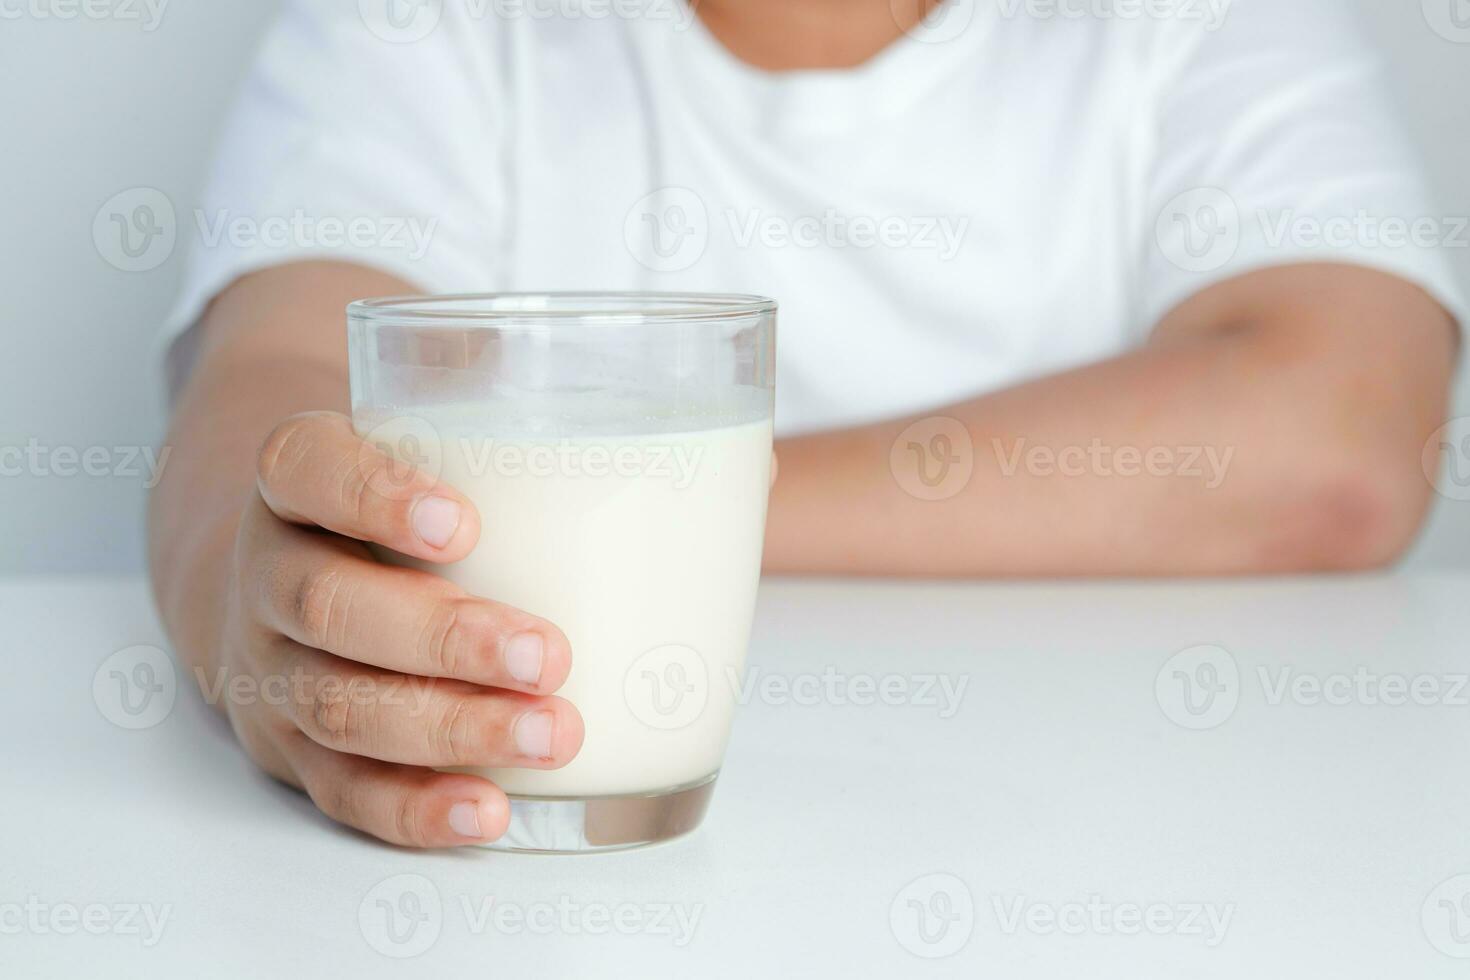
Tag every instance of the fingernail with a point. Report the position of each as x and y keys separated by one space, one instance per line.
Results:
x=523 y=657
x=464 y=819
x=435 y=519
x=533 y=734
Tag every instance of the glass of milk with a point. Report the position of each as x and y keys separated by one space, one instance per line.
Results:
x=618 y=447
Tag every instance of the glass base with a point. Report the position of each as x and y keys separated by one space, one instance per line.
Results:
x=583 y=825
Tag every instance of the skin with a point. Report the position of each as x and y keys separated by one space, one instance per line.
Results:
x=1321 y=382
x=1324 y=382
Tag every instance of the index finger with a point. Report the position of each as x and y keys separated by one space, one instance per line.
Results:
x=314 y=469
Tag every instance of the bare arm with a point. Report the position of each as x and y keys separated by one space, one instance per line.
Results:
x=1314 y=386
x=271 y=345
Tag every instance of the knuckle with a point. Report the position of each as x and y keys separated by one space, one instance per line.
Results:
x=333 y=712
x=406 y=822
x=321 y=604
x=285 y=447
x=452 y=736
x=356 y=493
x=442 y=639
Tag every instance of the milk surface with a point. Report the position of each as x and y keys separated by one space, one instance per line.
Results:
x=639 y=533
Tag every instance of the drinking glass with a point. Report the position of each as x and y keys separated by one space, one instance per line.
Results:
x=618 y=448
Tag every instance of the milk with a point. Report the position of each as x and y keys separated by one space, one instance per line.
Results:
x=639 y=534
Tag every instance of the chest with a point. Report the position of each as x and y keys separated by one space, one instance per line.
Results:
x=926 y=257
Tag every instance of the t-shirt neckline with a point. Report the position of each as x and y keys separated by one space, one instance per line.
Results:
x=822 y=100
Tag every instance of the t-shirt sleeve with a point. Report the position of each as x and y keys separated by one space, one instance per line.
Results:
x=372 y=142
x=1277 y=142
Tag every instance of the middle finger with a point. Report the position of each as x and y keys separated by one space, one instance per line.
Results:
x=325 y=592
x=424 y=721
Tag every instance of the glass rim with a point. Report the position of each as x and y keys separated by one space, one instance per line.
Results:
x=508 y=308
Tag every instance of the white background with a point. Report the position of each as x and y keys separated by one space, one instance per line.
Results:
x=94 y=107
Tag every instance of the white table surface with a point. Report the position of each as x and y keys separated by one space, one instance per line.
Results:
x=1326 y=838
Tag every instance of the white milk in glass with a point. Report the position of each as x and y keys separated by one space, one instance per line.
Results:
x=639 y=534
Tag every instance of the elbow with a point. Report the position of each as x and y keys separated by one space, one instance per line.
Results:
x=1360 y=512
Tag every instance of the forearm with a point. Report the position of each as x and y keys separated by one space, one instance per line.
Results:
x=1266 y=444
x=272 y=345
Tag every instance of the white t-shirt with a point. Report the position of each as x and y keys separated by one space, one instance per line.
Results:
x=1008 y=190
